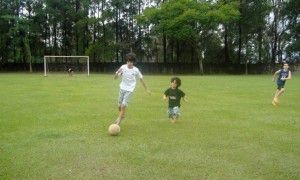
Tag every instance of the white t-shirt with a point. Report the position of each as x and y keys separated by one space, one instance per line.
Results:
x=129 y=77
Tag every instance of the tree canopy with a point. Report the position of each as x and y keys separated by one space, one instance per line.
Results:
x=174 y=31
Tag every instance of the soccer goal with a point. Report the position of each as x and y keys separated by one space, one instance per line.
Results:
x=66 y=64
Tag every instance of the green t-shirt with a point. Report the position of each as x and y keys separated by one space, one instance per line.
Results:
x=174 y=96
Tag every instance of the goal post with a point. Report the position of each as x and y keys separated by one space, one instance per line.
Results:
x=46 y=63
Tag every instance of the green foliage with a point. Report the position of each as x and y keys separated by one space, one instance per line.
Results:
x=103 y=51
x=291 y=11
x=179 y=19
x=158 y=30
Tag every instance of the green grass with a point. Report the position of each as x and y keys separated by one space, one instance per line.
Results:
x=55 y=127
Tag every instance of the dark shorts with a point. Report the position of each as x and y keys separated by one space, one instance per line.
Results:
x=280 y=84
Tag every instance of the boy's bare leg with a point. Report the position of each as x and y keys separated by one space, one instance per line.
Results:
x=173 y=119
x=280 y=92
x=121 y=115
x=276 y=93
x=275 y=98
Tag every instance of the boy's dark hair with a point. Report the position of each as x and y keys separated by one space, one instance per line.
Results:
x=283 y=63
x=178 y=81
x=130 y=57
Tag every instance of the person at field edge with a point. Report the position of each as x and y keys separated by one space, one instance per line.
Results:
x=70 y=71
x=129 y=73
x=283 y=75
x=174 y=95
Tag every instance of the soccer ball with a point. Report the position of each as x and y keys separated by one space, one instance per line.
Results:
x=114 y=129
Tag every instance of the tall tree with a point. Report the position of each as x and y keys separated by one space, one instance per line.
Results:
x=188 y=19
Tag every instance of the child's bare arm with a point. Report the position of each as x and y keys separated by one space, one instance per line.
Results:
x=290 y=75
x=145 y=86
x=118 y=73
x=165 y=97
x=275 y=75
x=116 y=76
x=185 y=99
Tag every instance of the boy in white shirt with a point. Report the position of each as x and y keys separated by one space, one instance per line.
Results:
x=129 y=73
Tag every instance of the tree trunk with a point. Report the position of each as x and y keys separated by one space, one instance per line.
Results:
x=86 y=35
x=226 y=49
x=171 y=42
x=177 y=52
x=45 y=41
x=246 y=66
x=139 y=29
x=94 y=40
x=55 y=38
x=27 y=45
x=77 y=9
x=200 y=56
x=192 y=54
x=156 y=51
x=200 y=64
x=117 y=34
x=121 y=36
x=30 y=66
x=165 y=48
x=240 y=44
x=240 y=35
x=132 y=44
x=102 y=19
x=274 y=43
x=27 y=52
x=279 y=54
x=259 y=45
x=246 y=57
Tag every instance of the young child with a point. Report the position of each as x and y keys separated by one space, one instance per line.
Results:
x=174 y=95
x=283 y=75
x=129 y=74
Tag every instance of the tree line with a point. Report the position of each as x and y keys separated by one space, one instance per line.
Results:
x=158 y=31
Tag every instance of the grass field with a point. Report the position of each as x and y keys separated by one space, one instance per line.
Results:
x=55 y=127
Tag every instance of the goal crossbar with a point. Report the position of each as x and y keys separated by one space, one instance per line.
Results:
x=88 y=62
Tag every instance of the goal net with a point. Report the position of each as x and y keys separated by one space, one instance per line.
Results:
x=66 y=64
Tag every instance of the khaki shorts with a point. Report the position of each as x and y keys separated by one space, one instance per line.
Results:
x=124 y=97
x=174 y=112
